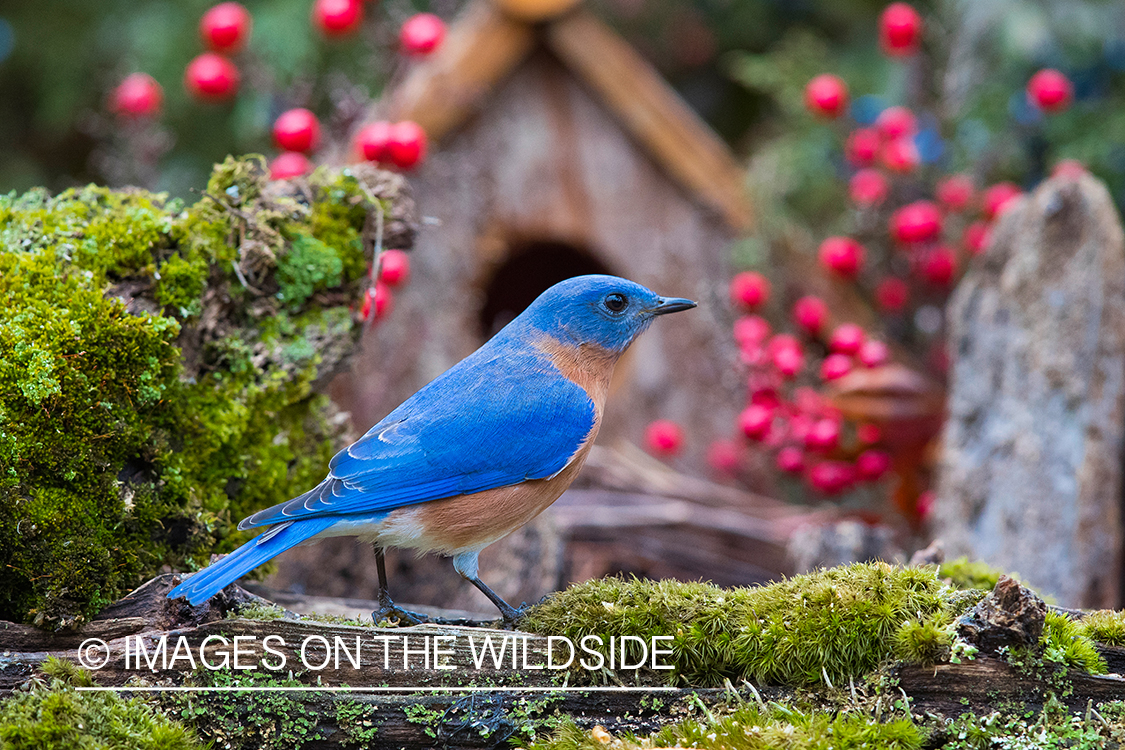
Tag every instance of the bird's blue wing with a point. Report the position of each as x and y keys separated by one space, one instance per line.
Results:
x=499 y=417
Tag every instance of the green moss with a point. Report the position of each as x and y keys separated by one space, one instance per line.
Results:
x=157 y=364
x=1104 y=626
x=970 y=575
x=1064 y=642
x=308 y=267
x=243 y=720
x=1053 y=728
x=750 y=727
x=358 y=722
x=52 y=714
x=833 y=624
x=923 y=641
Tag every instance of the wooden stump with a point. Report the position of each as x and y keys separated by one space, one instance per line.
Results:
x=1030 y=477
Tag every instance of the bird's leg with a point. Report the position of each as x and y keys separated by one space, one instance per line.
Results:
x=466 y=564
x=388 y=610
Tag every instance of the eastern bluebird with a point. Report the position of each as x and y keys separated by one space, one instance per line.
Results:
x=476 y=453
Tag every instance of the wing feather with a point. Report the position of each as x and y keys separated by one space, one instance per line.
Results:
x=495 y=419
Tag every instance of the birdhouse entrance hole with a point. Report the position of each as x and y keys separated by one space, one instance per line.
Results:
x=531 y=268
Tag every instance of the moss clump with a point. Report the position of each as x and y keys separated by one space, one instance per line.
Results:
x=749 y=727
x=159 y=366
x=1064 y=641
x=971 y=575
x=836 y=624
x=51 y=713
x=1104 y=626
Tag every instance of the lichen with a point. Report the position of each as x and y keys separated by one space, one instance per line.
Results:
x=159 y=369
x=830 y=625
x=49 y=713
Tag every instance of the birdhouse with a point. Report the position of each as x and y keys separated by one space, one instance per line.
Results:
x=555 y=151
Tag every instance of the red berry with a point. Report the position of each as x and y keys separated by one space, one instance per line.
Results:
x=916 y=222
x=826 y=96
x=1070 y=169
x=831 y=477
x=296 y=130
x=791 y=460
x=998 y=198
x=976 y=237
x=896 y=122
x=139 y=95
x=406 y=145
x=835 y=366
x=873 y=353
x=1050 y=90
x=421 y=34
x=900 y=155
x=377 y=299
x=868 y=187
x=847 y=338
x=211 y=77
x=764 y=392
x=789 y=360
x=723 y=456
x=955 y=192
x=755 y=421
x=749 y=290
x=810 y=314
x=225 y=27
x=824 y=435
x=808 y=400
x=394 y=268
x=868 y=433
x=337 y=18
x=664 y=437
x=940 y=266
x=892 y=294
x=900 y=30
x=872 y=464
x=842 y=255
x=862 y=147
x=751 y=330
x=371 y=141
x=289 y=164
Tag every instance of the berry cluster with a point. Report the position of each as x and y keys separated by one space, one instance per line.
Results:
x=807 y=434
x=911 y=229
x=214 y=77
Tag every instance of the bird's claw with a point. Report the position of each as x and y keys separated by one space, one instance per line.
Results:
x=388 y=610
x=512 y=615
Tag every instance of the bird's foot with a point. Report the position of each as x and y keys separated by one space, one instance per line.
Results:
x=512 y=615
x=390 y=611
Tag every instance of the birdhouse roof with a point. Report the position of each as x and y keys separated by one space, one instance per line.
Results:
x=492 y=37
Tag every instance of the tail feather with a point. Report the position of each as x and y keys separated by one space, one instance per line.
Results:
x=206 y=583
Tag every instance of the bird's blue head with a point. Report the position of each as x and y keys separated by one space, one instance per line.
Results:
x=605 y=311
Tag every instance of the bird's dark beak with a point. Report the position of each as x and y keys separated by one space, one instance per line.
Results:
x=671 y=305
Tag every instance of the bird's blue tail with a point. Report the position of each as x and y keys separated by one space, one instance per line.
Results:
x=206 y=583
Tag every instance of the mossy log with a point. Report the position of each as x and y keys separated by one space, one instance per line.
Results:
x=483 y=702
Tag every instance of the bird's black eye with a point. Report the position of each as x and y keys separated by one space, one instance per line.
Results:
x=616 y=302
